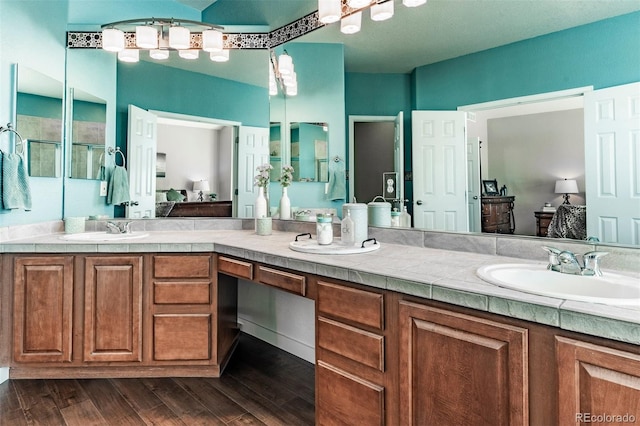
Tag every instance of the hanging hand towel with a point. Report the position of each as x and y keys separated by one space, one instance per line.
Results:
x=118 y=192
x=337 y=181
x=16 y=193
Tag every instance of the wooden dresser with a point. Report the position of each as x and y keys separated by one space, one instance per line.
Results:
x=543 y=219
x=497 y=214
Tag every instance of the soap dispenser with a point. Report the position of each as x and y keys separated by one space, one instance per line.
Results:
x=347 y=230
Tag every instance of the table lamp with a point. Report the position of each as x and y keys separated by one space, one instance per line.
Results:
x=566 y=187
x=201 y=186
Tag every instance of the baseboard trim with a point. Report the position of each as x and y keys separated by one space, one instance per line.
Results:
x=280 y=341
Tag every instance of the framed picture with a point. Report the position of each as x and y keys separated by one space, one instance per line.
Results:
x=490 y=187
x=161 y=164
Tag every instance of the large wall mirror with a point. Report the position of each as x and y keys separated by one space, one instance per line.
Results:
x=88 y=136
x=39 y=111
x=310 y=152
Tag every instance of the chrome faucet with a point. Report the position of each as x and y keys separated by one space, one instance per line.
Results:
x=118 y=227
x=566 y=262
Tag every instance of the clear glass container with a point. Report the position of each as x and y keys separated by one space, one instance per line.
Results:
x=347 y=230
x=324 y=229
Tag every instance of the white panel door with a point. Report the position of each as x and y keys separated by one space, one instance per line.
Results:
x=141 y=163
x=439 y=170
x=398 y=152
x=612 y=163
x=473 y=184
x=253 y=151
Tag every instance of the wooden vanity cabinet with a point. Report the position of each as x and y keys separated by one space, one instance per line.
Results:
x=351 y=371
x=42 y=309
x=596 y=380
x=112 y=309
x=460 y=369
x=192 y=315
x=147 y=315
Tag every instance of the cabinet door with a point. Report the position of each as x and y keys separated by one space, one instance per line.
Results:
x=596 y=384
x=457 y=369
x=113 y=308
x=43 y=301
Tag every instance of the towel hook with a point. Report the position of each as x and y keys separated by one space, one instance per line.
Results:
x=20 y=142
x=117 y=151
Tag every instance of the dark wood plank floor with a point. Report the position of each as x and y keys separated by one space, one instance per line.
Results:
x=262 y=385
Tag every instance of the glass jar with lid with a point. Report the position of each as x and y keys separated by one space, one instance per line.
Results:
x=324 y=229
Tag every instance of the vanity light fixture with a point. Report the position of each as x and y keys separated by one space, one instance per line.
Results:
x=566 y=187
x=160 y=36
x=349 y=12
x=282 y=73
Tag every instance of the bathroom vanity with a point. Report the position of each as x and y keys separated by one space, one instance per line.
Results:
x=392 y=347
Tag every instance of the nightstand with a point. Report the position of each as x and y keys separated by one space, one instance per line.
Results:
x=543 y=219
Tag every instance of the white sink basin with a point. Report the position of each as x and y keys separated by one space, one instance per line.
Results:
x=610 y=289
x=103 y=236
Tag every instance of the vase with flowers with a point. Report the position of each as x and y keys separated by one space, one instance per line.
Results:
x=285 y=180
x=261 y=180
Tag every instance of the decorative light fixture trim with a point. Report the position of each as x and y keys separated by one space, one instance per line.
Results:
x=259 y=41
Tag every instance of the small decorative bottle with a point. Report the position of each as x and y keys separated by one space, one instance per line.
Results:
x=324 y=229
x=347 y=230
x=260 y=206
x=285 y=205
x=405 y=218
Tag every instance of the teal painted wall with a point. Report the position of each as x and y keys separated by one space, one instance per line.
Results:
x=603 y=54
x=32 y=36
x=39 y=106
x=320 y=99
x=163 y=88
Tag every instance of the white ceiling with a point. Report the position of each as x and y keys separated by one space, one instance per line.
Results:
x=439 y=30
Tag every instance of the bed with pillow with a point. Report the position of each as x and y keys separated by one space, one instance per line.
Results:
x=171 y=203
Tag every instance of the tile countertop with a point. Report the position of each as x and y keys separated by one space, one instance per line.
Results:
x=443 y=275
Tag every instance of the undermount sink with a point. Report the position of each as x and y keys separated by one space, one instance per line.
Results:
x=103 y=236
x=610 y=288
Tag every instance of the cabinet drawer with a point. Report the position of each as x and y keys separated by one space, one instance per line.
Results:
x=236 y=268
x=350 y=342
x=359 y=306
x=347 y=399
x=181 y=337
x=181 y=293
x=287 y=281
x=195 y=266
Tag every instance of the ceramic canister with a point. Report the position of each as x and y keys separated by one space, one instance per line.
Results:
x=379 y=213
x=360 y=220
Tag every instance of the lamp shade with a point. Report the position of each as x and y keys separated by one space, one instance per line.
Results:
x=382 y=11
x=189 y=54
x=129 y=55
x=358 y=4
x=221 y=56
x=351 y=24
x=285 y=64
x=212 y=41
x=413 y=3
x=179 y=38
x=329 y=11
x=201 y=185
x=112 y=40
x=566 y=186
x=159 y=54
x=146 y=37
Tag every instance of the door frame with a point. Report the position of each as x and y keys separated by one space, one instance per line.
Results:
x=522 y=102
x=353 y=119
